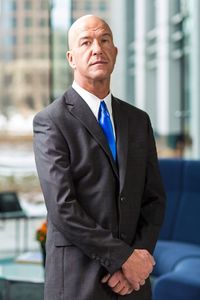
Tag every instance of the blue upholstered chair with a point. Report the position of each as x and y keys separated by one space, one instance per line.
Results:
x=183 y=283
x=177 y=252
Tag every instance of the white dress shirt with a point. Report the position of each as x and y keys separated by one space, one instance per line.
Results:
x=94 y=102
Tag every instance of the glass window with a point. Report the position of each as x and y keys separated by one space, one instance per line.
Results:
x=176 y=6
x=28 y=22
x=14 y=40
x=28 y=5
x=102 y=6
x=74 y=5
x=14 y=5
x=151 y=14
x=43 y=22
x=30 y=101
x=45 y=4
x=7 y=40
x=14 y=22
x=25 y=86
x=88 y=6
x=28 y=39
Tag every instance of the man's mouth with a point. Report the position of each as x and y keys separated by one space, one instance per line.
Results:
x=99 y=62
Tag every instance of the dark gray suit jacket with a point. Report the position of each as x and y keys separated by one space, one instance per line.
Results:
x=98 y=211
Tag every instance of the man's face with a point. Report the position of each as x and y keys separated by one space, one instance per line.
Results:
x=92 y=54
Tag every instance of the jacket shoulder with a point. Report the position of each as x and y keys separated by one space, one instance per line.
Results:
x=132 y=110
x=54 y=109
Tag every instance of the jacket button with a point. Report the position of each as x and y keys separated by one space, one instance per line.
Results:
x=122 y=199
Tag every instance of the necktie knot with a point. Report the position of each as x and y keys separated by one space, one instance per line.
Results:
x=106 y=125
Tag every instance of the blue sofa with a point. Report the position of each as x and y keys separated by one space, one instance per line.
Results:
x=177 y=253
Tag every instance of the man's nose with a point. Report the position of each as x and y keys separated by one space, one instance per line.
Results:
x=96 y=48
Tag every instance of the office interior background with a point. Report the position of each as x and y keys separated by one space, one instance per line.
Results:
x=157 y=70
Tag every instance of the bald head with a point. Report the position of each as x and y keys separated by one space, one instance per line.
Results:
x=84 y=23
x=92 y=53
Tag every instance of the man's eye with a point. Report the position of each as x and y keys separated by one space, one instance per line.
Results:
x=85 y=43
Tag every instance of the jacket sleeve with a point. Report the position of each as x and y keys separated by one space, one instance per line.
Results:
x=153 y=202
x=53 y=165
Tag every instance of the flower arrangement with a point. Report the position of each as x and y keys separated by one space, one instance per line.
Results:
x=41 y=233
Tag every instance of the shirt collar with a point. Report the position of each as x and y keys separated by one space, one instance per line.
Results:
x=93 y=101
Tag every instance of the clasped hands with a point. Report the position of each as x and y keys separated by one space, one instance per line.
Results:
x=133 y=273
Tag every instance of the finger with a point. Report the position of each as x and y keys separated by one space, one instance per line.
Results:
x=136 y=286
x=105 y=278
x=130 y=290
x=125 y=290
x=137 y=289
x=113 y=281
x=115 y=278
x=151 y=270
x=151 y=258
x=118 y=287
x=142 y=282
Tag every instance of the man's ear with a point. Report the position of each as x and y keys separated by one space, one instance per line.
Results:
x=70 y=58
x=116 y=49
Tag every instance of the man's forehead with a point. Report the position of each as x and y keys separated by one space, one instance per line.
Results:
x=87 y=29
x=91 y=31
x=87 y=26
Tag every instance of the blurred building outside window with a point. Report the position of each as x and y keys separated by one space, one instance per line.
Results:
x=103 y=6
x=28 y=5
x=88 y=6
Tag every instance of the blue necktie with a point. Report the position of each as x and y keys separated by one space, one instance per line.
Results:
x=106 y=125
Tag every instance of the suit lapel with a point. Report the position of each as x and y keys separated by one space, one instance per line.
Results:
x=80 y=110
x=121 y=129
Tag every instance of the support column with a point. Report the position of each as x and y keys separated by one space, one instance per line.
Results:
x=195 y=79
x=162 y=67
x=140 y=70
x=118 y=25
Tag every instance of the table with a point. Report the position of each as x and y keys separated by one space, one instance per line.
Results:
x=21 y=281
x=22 y=271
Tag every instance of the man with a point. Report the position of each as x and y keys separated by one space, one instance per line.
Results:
x=97 y=165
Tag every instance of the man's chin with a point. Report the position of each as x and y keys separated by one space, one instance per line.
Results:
x=100 y=75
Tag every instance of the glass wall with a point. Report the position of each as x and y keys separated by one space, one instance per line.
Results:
x=165 y=73
x=34 y=71
x=24 y=89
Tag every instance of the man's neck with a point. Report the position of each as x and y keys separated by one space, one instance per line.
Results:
x=100 y=88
